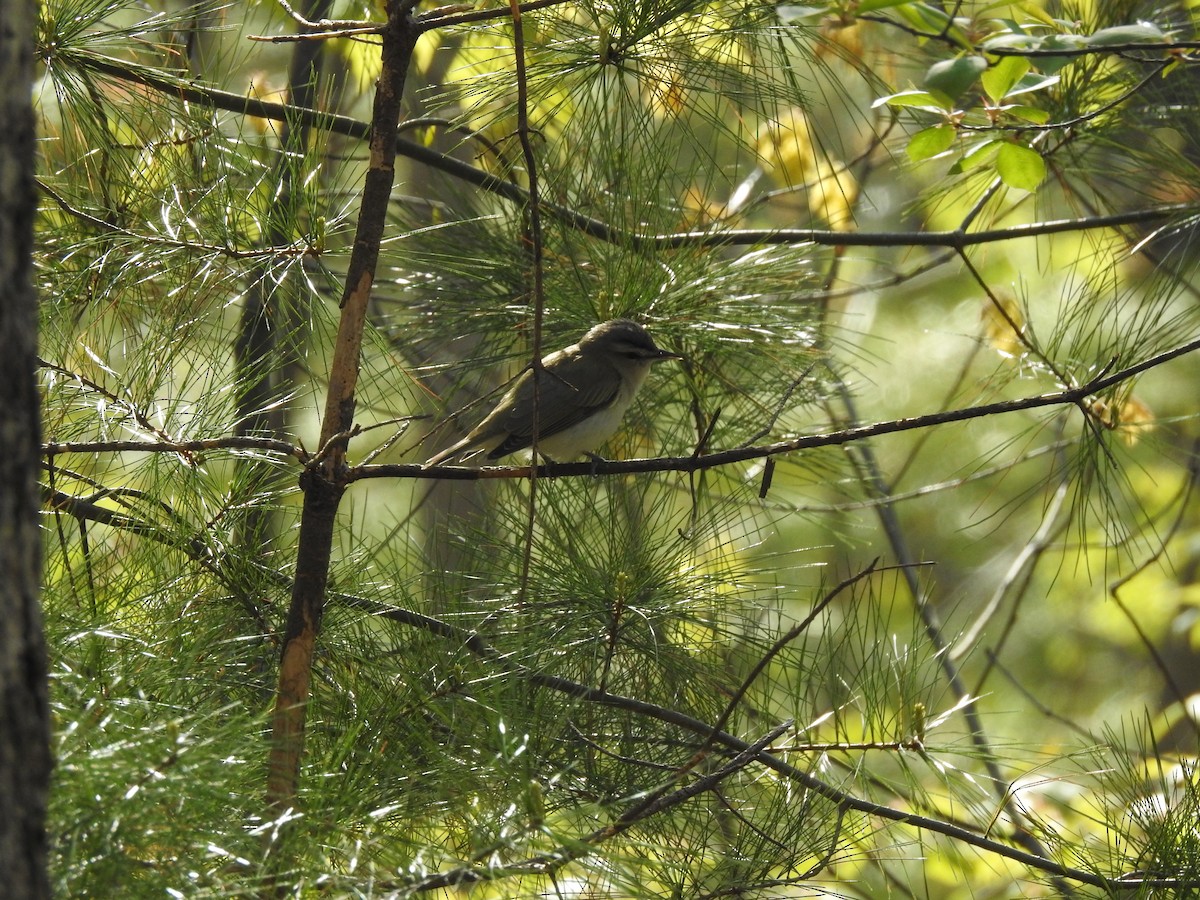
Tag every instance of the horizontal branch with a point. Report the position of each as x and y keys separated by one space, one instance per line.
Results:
x=268 y=445
x=956 y=238
x=700 y=462
x=691 y=463
x=441 y=18
x=1159 y=49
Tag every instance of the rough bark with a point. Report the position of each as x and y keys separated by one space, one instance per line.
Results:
x=24 y=710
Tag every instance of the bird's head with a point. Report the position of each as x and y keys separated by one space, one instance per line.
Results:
x=626 y=344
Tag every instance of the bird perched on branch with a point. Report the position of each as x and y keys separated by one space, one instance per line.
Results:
x=582 y=393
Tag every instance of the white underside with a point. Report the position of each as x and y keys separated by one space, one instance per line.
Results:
x=587 y=436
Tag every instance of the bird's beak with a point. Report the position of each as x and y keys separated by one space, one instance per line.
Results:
x=665 y=354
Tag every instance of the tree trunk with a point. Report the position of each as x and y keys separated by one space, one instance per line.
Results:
x=24 y=709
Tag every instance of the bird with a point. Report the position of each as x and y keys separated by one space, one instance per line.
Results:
x=583 y=392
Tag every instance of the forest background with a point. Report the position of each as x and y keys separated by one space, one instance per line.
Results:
x=886 y=589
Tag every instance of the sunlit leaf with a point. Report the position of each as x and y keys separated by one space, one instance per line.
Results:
x=1141 y=33
x=977 y=155
x=1029 y=114
x=930 y=142
x=1032 y=82
x=1003 y=323
x=832 y=195
x=998 y=80
x=876 y=5
x=1020 y=166
x=1132 y=419
x=932 y=20
x=913 y=100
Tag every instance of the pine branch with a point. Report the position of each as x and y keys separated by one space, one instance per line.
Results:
x=956 y=239
x=694 y=463
x=843 y=800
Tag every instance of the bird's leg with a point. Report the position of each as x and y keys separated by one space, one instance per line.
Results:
x=548 y=461
x=596 y=459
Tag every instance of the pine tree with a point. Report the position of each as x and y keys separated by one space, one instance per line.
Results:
x=840 y=609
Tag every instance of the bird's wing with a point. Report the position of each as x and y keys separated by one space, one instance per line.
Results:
x=567 y=396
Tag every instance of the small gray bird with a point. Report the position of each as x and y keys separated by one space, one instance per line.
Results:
x=583 y=392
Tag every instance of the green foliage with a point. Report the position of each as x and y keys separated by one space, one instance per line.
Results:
x=517 y=682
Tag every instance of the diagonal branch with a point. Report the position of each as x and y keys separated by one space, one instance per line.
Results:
x=596 y=228
x=472 y=642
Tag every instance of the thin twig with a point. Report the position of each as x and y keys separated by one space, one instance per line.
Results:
x=1114 y=590
x=197 y=246
x=439 y=18
x=533 y=212
x=267 y=445
x=1018 y=571
x=775 y=649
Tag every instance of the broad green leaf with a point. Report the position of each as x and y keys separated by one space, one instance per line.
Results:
x=1029 y=114
x=977 y=155
x=1011 y=41
x=930 y=142
x=953 y=77
x=1141 y=33
x=875 y=5
x=1004 y=76
x=1051 y=64
x=929 y=19
x=913 y=100
x=1035 y=11
x=1034 y=81
x=925 y=17
x=1020 y=167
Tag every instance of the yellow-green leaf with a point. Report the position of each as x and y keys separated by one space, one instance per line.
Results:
x=976 y=156
x=1020 y=167
x=1029 y=114
x=930 y=142
x=1141 y=33
x=1003 y=77
x=912 y=100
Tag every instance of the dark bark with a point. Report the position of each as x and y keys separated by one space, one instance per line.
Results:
x=24 y=710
